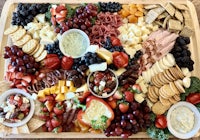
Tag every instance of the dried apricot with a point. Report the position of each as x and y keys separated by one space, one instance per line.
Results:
x=125 y=7
x=140 y=5
x=133 y=10
x=138 y=14
x=140 y=9
x=132 y=19
x=125 y=13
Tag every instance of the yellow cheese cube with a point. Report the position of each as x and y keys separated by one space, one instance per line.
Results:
x=47 y=91
x=60 y=97
x=53 y=89
x=72 y=89
x=57 y=91
x=69 y=83
x=41 y=94
x=63 y=89
x=61 y=83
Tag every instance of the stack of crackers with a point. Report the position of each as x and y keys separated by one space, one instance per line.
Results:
x=23 y=40
x=171 y=16
x=166 y=89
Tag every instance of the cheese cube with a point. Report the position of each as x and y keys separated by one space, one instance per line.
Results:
x=41 y=94
x=63 y=89
x=61 y=83
x=60 y=97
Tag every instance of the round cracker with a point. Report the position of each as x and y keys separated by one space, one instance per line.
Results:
x=36 y=49
x=164 y=101
x=179 y=71
x=30 y=46
x=40 y=50
x=11 y=29
x=179 y=86
x=23 y=40
x=42 y=56
x=174 y=88
x=18 y=34
x=158 y=108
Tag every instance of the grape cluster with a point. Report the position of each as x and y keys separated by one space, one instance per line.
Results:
x=182 y=54
x=54 y=49
x=26 y=12
x=83 y=19
x=108 y=45
x=135 y=120
x=21 y=61
x=88 y=59
x=110 y=6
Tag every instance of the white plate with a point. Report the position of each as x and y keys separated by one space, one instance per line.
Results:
x=196 y=126
x=32 y=107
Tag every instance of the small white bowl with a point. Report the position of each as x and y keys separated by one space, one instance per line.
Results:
x=196 y=126
x=32 y=106
x=108 y=95
x=74 y=43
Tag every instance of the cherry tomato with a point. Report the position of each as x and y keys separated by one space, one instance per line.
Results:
x=161 y=121
x=66 y=63
x=120 y=59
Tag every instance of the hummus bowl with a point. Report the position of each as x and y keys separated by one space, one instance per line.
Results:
x=183 y=120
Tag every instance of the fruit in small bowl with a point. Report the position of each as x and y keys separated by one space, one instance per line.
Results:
x=183 y=120
x=16 y=107
x=102 y=84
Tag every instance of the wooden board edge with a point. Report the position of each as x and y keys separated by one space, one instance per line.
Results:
x=195 y=42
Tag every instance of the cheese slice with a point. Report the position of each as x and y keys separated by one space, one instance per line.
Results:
x=105 y=54
x=98 y=67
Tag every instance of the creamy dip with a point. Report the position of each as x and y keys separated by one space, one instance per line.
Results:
x=182 y=119
x=74 y=44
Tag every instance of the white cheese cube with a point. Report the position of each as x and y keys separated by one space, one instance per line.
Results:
x=25 y=100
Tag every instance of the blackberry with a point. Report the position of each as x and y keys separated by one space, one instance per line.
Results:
x=110 y=6
x=54 y=49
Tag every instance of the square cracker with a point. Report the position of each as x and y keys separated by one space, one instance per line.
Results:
x=34 y=124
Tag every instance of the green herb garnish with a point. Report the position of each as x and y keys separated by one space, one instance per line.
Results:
x=100 y=123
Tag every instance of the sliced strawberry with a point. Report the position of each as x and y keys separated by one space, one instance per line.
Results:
x=24 y=83
x=19 y=75
x=123 y=107
x=16 y=81
x=117 y=95
x=34 y=81
x=63 y=13
x=12 y=85
x=11 y=68
x=60 y=8
x=53 y=20
x=53 y=11
x=27 y=78
x=8 y=75
x=59 y=20
x=20 y=86
x=13 y=76
x=49 y=105
x=129 y=96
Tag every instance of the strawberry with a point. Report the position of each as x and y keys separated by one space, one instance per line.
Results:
x=129 y=96
x=136 y=88
x=11 y=68
x=20 y=86
x=24 y=83
x=115 y=41
x=13 y=75
x=53 y=20
x=16 y=81
x=27 y=78
x=8 y=75
x=123 y=107
x=34 y=81
x=53 y=11
x=19 y=75
x=60 y=8
x=60 y=19
x=117 y=95
x=113 y=104
x=49 y=105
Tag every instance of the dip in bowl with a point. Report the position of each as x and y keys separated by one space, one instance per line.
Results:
x=183 y=120
x=16 y=107
x=102 y=84
x=74 y=43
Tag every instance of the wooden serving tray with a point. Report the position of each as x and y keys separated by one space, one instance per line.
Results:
x=5 y=21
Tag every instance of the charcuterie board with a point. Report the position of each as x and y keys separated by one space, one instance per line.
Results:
x=6 y=18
